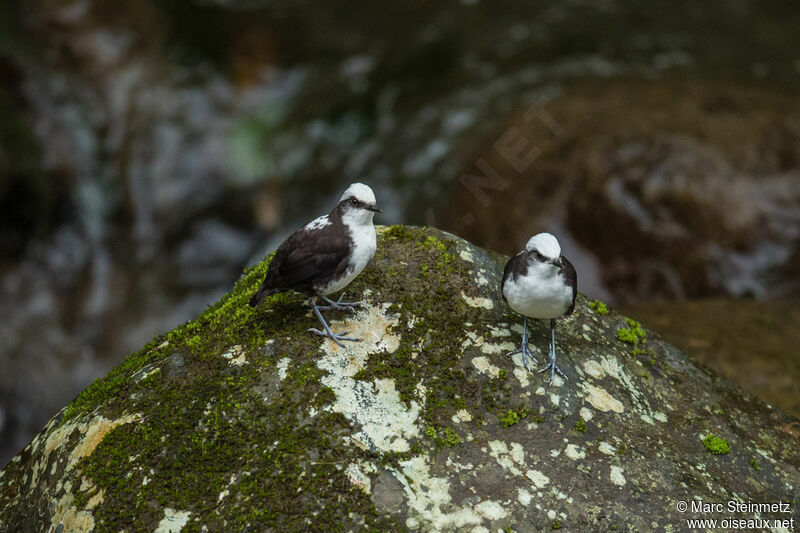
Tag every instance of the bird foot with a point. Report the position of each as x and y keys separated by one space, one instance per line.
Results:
x=553 y=368
x=339 y=305
x=335 y=337
x=526 y=352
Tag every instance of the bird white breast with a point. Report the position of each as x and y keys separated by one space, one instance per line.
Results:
x=540 y=293
x=364 y=245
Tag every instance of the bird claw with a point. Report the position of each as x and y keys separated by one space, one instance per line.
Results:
x=553 y=368
x=335 y=337
x=339 y=305
x=526 y=352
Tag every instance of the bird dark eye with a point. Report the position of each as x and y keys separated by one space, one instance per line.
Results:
x=539 y=256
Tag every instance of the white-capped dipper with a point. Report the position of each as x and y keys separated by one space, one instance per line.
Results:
x=539 y=282
x=325 y=255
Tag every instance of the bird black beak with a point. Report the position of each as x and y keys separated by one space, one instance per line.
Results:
x=558 y=263
x=374 y=209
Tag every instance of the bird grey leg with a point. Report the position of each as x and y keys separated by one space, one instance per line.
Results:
x=524 y=347
x=551 y=365
x=328 y=333
x=339 y=305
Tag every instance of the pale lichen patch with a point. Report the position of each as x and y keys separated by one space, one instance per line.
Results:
x=574 y=452
x=235 y=355
x=509 y=459
x=473 y=339
x=480 y=279
x=95 y=500
x=586 y=414
x=606 y=448
x=600 y=399
x=92 y=433
x=483 y=366
x=539 y=480
x=491 y=510
x=613 y=368
x=524 y=497
x=520 y=372
x=283 y=367
x=371 y=325
x=616 y=475
x=173 y=521
x=461 y=416
x=478 y=301
x=500 y=330
x=69 y=518
x=385 y=422
x=429 y=499
x=594 y=369
x=358 y=477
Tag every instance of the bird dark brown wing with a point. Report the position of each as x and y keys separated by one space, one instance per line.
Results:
x=516 y=266
x=572 y=280
x=306 y=260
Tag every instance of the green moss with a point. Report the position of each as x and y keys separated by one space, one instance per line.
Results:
x=556 y=525
x=432 y=242
x=598 y=307
x=401 y=233
x=443 y=436
x=754 y=464
x=580 y=425
x=502 y=373
x=716 y=445
x=626 y=335
x=451 y=438
x=633 y=334
x=512 y=417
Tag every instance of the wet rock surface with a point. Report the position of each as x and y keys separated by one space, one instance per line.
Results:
x=426 y=424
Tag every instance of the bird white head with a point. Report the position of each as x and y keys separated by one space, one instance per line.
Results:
x=357 y=205
x=359 y=191
x=546 y=244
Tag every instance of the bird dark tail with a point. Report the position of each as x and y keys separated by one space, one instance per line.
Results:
x=262 y=293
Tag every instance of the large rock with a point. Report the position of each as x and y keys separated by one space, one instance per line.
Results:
x=241 y=420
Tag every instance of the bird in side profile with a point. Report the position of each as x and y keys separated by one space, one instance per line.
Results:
x=325 y=255
x=539 y=282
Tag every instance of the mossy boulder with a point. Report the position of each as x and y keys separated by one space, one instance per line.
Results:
x=242 y=421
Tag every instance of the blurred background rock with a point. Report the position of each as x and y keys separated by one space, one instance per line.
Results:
x=149 y=150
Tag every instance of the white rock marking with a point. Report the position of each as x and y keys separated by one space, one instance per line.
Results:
x=173 y=521
x=616 y=476
x=283 y=367
x=538 y=479
x=601 y=399
x=385 y=422
x=478 y=301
